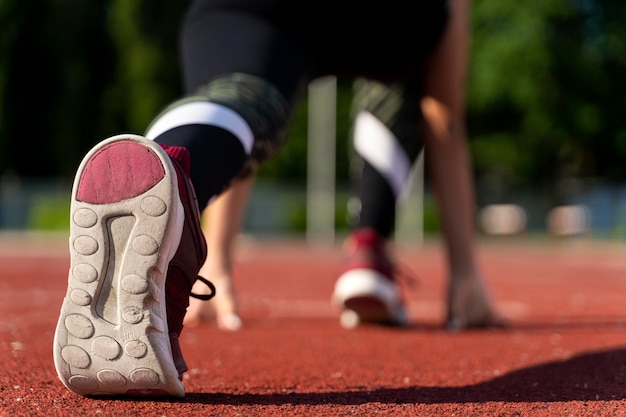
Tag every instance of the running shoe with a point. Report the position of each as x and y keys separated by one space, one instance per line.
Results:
x=366 y=291
x=135 y=250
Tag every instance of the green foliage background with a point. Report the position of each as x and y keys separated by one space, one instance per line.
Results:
x=546 y=91
x=545 y=94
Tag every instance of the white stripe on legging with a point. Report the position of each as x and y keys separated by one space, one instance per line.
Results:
x=204 y=113
x=380 y=148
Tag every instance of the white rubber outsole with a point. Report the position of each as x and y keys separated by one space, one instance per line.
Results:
x=366 y=296
x=112 y=333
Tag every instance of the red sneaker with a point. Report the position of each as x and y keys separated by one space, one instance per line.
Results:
x=135 y=250
x=366 y=291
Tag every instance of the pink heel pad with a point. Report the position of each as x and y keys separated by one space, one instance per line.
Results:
x=119 y=171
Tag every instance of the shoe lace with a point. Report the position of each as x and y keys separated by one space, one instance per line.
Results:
x=205 y=297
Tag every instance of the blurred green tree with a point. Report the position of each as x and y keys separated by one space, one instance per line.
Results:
x=546 y=89
x=545 y=95
x=72 y=73
x=53 y=61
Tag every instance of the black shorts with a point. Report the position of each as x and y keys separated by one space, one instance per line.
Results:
x=289 y=43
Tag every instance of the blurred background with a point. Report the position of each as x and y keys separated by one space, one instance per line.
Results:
x=546 y=115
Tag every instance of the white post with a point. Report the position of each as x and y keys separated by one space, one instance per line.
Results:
x=320 y=198
x=410 y=222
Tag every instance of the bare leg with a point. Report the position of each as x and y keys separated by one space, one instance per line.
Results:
x=221 y=223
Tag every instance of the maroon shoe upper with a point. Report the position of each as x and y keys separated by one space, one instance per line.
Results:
x=190 y=256
x=366 y=249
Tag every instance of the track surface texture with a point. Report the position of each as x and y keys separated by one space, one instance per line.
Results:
x=564 y=353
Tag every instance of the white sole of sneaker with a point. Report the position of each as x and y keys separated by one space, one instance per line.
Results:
x=365 y=296
x=112 y=334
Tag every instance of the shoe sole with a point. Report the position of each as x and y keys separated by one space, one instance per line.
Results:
x=126 y=224
x=366 y=296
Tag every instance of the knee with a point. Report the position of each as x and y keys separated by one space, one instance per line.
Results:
x=260 y=104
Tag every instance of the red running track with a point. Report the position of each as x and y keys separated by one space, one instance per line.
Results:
x=564 y=354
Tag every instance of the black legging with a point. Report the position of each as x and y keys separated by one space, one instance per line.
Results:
x=257 y=57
